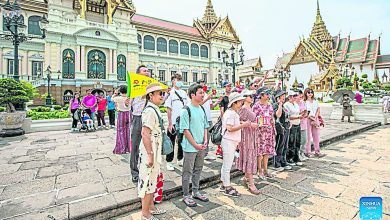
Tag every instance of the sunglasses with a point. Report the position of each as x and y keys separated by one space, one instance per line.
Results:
x=310 y=92
x=245 y=96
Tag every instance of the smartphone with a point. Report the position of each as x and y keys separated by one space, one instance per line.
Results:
x=214 y=92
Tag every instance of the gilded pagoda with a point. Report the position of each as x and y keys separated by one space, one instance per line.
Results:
x=345 y=56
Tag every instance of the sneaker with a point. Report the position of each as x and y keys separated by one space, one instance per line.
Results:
x=189 y=201
x=299 y=163
x=302 y=157
x=319 y=155
x=210 y=157
x=291 y=163
x=170 y=167
x=222 y=188
x=279 y=169
x=180 y=162
x=287 y=167
x=99 y=127
x=72 y=130
x=200 y=197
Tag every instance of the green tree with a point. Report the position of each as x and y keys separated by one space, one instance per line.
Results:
x=12 y=92
x=31 y=91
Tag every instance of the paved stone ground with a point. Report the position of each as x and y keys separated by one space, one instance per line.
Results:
x=64 y=175
x=327 y=188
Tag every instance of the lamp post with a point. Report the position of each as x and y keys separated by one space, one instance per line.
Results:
x=14 y=23
x=233 y=64
x=48 y=97
x=282 y=75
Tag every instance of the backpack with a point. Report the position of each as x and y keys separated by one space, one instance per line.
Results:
x=180 y=135
x=216 y=132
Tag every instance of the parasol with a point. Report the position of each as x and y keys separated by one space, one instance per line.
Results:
x=338 y=95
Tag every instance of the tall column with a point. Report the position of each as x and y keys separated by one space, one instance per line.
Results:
x=1 y=61
x=115 y=65
x=25 y=65
x=77 y=59
x=109 y=66
x=82 y=59
x=47 y=55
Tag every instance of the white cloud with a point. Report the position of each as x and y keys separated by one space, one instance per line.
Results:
x=268 y=27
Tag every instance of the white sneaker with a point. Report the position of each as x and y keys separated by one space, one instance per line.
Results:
x=170 y=167
x=99 y=127
x=302 y=157
x=180 y=162
x=210 y=157
x=72 y=130
x=287 y=167
x=279 y=169
x=299 y=163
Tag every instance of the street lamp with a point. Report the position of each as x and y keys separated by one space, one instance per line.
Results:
x=233 y=64
x=283 y=74
x=14 y=23
x=48 y=97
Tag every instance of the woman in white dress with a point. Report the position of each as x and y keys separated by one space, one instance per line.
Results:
x=150 y=151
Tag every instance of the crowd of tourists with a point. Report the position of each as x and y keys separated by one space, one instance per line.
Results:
x=260 y=127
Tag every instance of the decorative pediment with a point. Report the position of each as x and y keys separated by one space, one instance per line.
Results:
x=96 y=33
x=225 y=29
x=162 y=67
x=37 y=57
x=301 y=55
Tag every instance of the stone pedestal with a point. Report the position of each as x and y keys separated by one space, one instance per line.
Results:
x=362 y=112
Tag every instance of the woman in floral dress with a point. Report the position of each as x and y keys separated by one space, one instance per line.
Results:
x=265 y=137
x=247 y=161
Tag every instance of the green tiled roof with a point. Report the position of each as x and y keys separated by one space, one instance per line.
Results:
x=383 y=59
x=372 y=45
x=341 y=44
x=356 y=45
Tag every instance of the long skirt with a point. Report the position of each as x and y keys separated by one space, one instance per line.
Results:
x=123 y=140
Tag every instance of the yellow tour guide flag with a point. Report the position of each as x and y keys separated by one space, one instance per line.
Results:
x=137 y=83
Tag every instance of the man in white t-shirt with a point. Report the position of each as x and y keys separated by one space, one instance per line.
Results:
x=174 y=103
x=295 y=131
x=208 y=105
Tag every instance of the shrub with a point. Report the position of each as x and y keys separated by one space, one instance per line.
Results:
x=57 y=107
x=364 y=76
x=2 y=109
x=41 y=109
x=12 y=93
x=34 y=115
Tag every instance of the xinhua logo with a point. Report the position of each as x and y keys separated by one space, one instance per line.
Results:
x=371 y=208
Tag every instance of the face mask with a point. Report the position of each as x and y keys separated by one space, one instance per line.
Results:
x=179 y=84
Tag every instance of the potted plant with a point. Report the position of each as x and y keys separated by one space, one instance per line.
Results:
x=13 y=96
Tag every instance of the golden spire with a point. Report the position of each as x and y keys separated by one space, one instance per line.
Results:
x=209 y=18
x=319 y=30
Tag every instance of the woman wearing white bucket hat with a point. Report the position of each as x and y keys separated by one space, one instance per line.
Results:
x=231 y=136
x=150 y=157
x=247 y=161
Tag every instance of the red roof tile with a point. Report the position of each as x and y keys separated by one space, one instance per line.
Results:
x=166 y=24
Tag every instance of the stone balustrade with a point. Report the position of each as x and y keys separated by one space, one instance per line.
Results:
x=362 y=112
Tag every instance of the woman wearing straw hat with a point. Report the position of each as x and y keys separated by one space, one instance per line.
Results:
x=150 y=151
x=247 y=161
x=231 y=136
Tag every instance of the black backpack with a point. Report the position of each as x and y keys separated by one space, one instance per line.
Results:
x=216 y=132
x=180 y=135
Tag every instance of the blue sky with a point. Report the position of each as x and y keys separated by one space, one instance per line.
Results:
x=269 y=27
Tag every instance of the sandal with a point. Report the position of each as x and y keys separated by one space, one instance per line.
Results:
x=151 y=218
x=158 y=212
x=262 y=176
x=200 y=197
x=269 y=175
x=254 y=191
x=231 y=192
x=189 y=202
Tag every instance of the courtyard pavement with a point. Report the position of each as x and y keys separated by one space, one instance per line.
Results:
x=63 y=175
x=327 y=188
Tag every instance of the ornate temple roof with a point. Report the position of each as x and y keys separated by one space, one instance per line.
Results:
x=363 y=50
x=142 y=19
x=31 y=5
x=383 y=61
x=209 y=18
x=282 y=62
x=255 y=62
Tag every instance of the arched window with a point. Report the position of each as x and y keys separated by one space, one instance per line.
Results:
x=121 y=67
x=12 y=27
x=173 y=46
x=139 y=38
x=68 y=64
x=149 y=42
x=194 y=50
x=33 y=25
x=161 y=44
x=204 y=51
x=184 y=48
x=96 y=65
